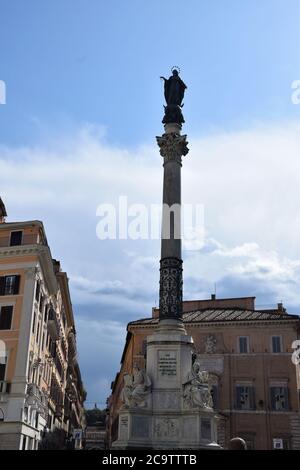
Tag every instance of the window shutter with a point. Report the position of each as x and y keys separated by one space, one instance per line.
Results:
x=6 y=317
x=16 y=284
x=252 y=398
x=238 y=398
x=215 y=396
x=2 y=285
x=273 y=393
x=16 y=238
x=286 y=398
x=2 y=371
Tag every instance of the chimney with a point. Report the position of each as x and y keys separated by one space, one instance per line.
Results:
x=3 y=213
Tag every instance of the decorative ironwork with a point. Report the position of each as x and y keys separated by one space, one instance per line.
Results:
x=170 y=293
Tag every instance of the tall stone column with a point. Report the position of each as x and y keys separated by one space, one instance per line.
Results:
x=168 y=405
x=172 y=147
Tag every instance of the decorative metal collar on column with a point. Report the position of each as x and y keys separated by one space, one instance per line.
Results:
x=170 y=289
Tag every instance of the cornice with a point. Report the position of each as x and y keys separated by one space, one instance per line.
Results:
x=44 y=256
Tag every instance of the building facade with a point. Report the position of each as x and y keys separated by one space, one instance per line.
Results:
x=40 y=382
x=248 y=353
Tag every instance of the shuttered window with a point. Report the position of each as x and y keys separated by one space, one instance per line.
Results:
x=2 y=371
x=243 y=344
x=6 y=317
x=245 y=397
x=279 y=398
x=9 y=285
x=16 y=238
x=276 y=344
x=215 y=396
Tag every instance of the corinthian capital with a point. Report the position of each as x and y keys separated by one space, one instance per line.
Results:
x=172 y=146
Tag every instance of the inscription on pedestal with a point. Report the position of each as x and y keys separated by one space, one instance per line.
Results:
x=167 y=364
x=123 y=427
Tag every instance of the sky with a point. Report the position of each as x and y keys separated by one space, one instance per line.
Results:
x=84 y=103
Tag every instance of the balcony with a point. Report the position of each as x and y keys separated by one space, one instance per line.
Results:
x=53 y=326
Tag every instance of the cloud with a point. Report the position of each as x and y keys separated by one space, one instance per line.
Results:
x=247 y=181
x=100 y=344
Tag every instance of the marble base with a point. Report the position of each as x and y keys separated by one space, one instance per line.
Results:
x=147 y=430
x=167 y=422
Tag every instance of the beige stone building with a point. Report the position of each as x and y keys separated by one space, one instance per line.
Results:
x=249 y=354
x=40 y=381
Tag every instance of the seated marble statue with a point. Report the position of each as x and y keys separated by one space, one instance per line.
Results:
x=136 y=388
x=196 y=390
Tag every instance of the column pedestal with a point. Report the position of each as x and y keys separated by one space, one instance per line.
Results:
x=167 y=421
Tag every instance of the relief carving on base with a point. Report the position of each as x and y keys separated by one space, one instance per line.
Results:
x=166 y=428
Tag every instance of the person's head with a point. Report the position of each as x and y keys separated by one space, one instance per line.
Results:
x=175 y=72
x=237 y=443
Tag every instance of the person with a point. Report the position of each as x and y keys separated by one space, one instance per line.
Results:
x=237 y=443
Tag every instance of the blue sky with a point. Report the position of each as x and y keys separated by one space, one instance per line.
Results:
x=84 y=103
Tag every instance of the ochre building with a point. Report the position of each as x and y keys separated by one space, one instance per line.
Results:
x=249 y=353
x=40 y=381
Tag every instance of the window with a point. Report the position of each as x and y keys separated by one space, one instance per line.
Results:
x=243 y=344
x=245 y=397
x=279 y=398
x=37 y=291
x=16 y=238
x=41 y=303
x=2 y=372
x=281 y=443
x=249 y=438
x=34 y=321
x=276 y=344
x=215 y=396
x=38 y=333
x=24 y=442
x=36 y=420
x=46 y=313
x=6 y=317
x=9 y=285
x=25 y=414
